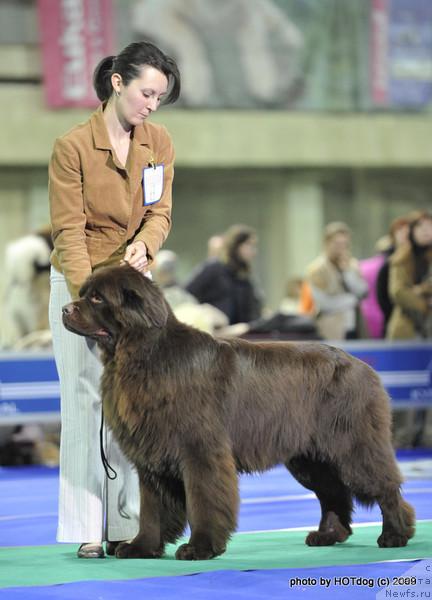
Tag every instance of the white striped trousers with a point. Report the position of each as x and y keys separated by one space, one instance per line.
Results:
x=91 y=507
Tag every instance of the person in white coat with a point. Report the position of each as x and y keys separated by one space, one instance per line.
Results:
x=337 y=285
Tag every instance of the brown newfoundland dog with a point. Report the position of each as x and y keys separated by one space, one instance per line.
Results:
x=191 y=411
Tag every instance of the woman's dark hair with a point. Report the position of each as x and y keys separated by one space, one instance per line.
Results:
x=421 y=260
x=233 y=238
x=421 y=216
x=129 y=63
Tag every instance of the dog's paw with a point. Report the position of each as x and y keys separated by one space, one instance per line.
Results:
x=392 y=540
x=327 y=538
x=189 y=552
x=317 y=538
x=126 y=550
x=331 y=531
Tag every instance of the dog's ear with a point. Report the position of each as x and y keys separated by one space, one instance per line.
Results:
x=130 y=298
x=144 y=303
x=85 y=286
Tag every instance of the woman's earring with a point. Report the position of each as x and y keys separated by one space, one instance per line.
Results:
x=117 y=93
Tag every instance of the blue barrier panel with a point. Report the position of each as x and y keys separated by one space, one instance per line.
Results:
x=29 y=387
x=405 y=369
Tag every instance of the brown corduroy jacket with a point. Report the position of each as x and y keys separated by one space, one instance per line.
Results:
x=97 y=205
x=410 y=300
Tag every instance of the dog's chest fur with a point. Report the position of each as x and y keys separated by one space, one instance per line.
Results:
x=138 y=422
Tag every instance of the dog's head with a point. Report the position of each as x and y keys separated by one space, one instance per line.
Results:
x=115 y=300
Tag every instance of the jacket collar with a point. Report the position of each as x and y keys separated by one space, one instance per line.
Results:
x=100 y=132
x=140 y=135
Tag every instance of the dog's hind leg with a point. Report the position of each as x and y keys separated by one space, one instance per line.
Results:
x=374 y=477
x=334 y=497
x=398 y=520
x=212 y=502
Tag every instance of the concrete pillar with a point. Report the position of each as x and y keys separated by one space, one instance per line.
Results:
x=38 y=208
x=293 y=232
x=304 y=223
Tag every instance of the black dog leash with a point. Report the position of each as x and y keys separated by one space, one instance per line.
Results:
x=108 y=467
x=104 y=459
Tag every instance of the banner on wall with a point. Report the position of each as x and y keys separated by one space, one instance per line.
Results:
x=401 y=53
x=410 y=53
x=379 y=52
x=75 y=36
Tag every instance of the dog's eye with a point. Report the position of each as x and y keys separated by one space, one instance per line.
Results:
x=95 y=298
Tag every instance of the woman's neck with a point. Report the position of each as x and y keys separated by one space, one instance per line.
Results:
x=118 y=129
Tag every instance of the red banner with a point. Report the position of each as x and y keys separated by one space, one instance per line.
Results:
x=379 y=51
x=75 y=35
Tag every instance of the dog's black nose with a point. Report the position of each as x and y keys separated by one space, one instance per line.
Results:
x=68 y=309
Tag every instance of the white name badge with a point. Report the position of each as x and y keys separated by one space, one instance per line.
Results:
x=153 y=178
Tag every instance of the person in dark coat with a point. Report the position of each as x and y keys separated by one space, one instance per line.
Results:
x=226 y=282
x=410 y=288
x=398 y=233
x=410 y=283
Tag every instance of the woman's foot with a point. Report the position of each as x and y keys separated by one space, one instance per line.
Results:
x=91 y=550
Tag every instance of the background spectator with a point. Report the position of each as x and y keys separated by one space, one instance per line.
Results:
x=184 y=305
x=215 y=246
x=165 y=274
x=227 y=282
x=398 y=234
x=26 y=295
x=290 y=304
x=410 y=287
x=410 y=283
x=337 y=285
x=370 y=309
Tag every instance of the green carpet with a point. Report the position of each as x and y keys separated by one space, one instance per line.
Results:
x=47 y=565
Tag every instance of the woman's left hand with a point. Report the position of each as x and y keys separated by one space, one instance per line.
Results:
x=136 y=256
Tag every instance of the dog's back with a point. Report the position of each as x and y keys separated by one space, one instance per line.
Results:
x=295 y=397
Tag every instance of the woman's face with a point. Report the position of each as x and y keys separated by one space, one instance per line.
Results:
x=338 y=246
x=248 y=249
x=141 y=96
x=401 y=235
x=422 y=232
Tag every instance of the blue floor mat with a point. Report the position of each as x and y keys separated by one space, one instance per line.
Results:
x=273 y=500
x=356 y=581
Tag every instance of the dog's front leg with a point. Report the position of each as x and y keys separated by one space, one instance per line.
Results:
x=212 y=502
x=147 y=544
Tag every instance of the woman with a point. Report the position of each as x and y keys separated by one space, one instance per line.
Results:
x=110 y=184
x=398 y=234
x=226 y=283
x=410 y=282
x=410 y=287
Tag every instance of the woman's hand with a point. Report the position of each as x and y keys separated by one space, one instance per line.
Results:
x=344 y=261
x=136 y=256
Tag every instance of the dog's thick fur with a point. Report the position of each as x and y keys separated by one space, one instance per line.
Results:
x=191 y=412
